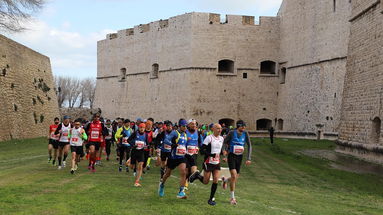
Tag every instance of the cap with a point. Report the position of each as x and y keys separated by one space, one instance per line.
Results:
x=191 y=120
x=182 y=122
x=139 y=119
x=66 y=117
x=167 y=122
x=142 y=125
x=240 y=123
x=211 y=125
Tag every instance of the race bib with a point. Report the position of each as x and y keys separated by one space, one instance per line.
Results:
x=53 y=136
x=238 y=150
x=74 y=140
x=167 y=147
x=95 y=134
x=192 y=150
x=65 y=134
x=125 y=141
x=140 y=145
x=180 y=150
x=214 y=160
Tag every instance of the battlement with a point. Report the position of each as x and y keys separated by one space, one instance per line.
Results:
x=195 y=18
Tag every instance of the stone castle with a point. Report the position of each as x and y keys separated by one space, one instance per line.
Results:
x=28 y=101
x=293 y=71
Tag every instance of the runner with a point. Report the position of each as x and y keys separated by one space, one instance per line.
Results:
x=168 y=137
x=122 y=135
x=192 y=147
x=234 y=147
x=76 y=135
x=119 y=125
x=53 y=144
x=211 y=148
x=139 y=140
x=63 y=129
x=177 y=158
x=109 y=139
x=95 y=130
x=148 y=150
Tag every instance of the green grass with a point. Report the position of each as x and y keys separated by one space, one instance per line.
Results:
x=278 y=182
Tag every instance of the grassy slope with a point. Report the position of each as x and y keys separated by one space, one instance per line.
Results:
x=278 y=182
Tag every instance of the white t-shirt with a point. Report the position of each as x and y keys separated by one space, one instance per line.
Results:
x=216 y=146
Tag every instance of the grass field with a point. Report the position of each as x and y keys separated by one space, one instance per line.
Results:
x=278 y=182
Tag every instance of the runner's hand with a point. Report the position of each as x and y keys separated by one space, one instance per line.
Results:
x=224 y=153
x=224 y=159
x=248 y=162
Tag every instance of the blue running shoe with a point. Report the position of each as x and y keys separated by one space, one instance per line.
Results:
x=161 y=190
x=181 y=195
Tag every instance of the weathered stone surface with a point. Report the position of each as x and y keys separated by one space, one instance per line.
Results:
x=28 y=100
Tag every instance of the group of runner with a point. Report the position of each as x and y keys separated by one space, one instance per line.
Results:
x=171 y=145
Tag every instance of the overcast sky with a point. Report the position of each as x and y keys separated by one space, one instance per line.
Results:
x=67 y=31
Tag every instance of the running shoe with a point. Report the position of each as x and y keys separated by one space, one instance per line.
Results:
x=72 y=171
x=224 y=183
x=211 y=202
x=59 y=167
x=137 y=184
x=64 y=163
x=89 y=167
x=93 y=169
x=181 y=195
x=120 y=168
x=233 y=201
x=161 y=189
x=193 y=176
x=148 y=167
x=49 y=160
x=53 y=162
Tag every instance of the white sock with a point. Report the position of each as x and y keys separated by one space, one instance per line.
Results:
x=232 y=195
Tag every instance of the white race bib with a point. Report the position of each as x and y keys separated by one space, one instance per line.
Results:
x=94 y=134
x=74 y=140
x=125 y=140
x=167 y=147
x=192 y=150
x=180 y=150
x=238 y=150
x=139 y=145
x=214 y=160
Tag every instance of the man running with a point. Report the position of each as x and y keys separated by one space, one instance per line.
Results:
x=211 y=148
x=192 y=147
x=95 y=130
x=108 y=139
x=147 y=150
x=77 y=135
x=53 y=141
x=122 y=135
x=63 y=129
x=139 y=141
x=177 y=158
x=234 y=146
x=168 y=137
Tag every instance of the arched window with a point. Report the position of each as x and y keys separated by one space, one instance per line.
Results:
x=263 y=124
x=375 y=133
x=123 y=74
x=268 y=67
x=280 y=124
x=155 y=69
x=283 y=75
x=228 y=122
x=226 y=66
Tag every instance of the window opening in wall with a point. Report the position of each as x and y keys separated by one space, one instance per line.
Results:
x=268 y=67
x=376 y=126
x=263 y=124
x=280 y=124
x=283 y=75
x=226 y=66
x=227 y=121
x=334 y=5
x=155 y=69
x=123 y=74
x=244 y=75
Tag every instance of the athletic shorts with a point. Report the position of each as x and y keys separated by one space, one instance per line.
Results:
x=173 y=163
x=103 y=144
x=54 y=143
x=191 y=160
x=78 y=149
x=95 y=144
x=208 y=167
x=63 y=144
x=165 y=155
x=137 y=156
x=234 y=162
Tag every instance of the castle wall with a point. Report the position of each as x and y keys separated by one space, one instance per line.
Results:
x=188 y=83
x=313 y=49
x=28 y=101
x=362 y=100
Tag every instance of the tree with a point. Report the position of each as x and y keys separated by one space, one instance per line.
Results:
x=14 y=12
x=89 y=87
x=62 y=89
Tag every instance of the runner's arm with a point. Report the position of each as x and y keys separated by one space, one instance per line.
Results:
x=226 y=141
x=249 y=146
x=58 y=129
x=84 y=136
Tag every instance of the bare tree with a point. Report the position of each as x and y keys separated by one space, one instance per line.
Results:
x=14 y=12
x=74 y=91
x=89 y=89
x=62 y=89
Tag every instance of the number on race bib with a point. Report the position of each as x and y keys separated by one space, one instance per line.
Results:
x=181 y=150
x=139 y=145
x=238 y=150
x=214 y=160
x=167 y=147
x=95 y=134
x=74 y=139
x=192 y=150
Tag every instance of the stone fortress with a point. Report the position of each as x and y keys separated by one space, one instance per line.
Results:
x=28 y=102
x=293 y=71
